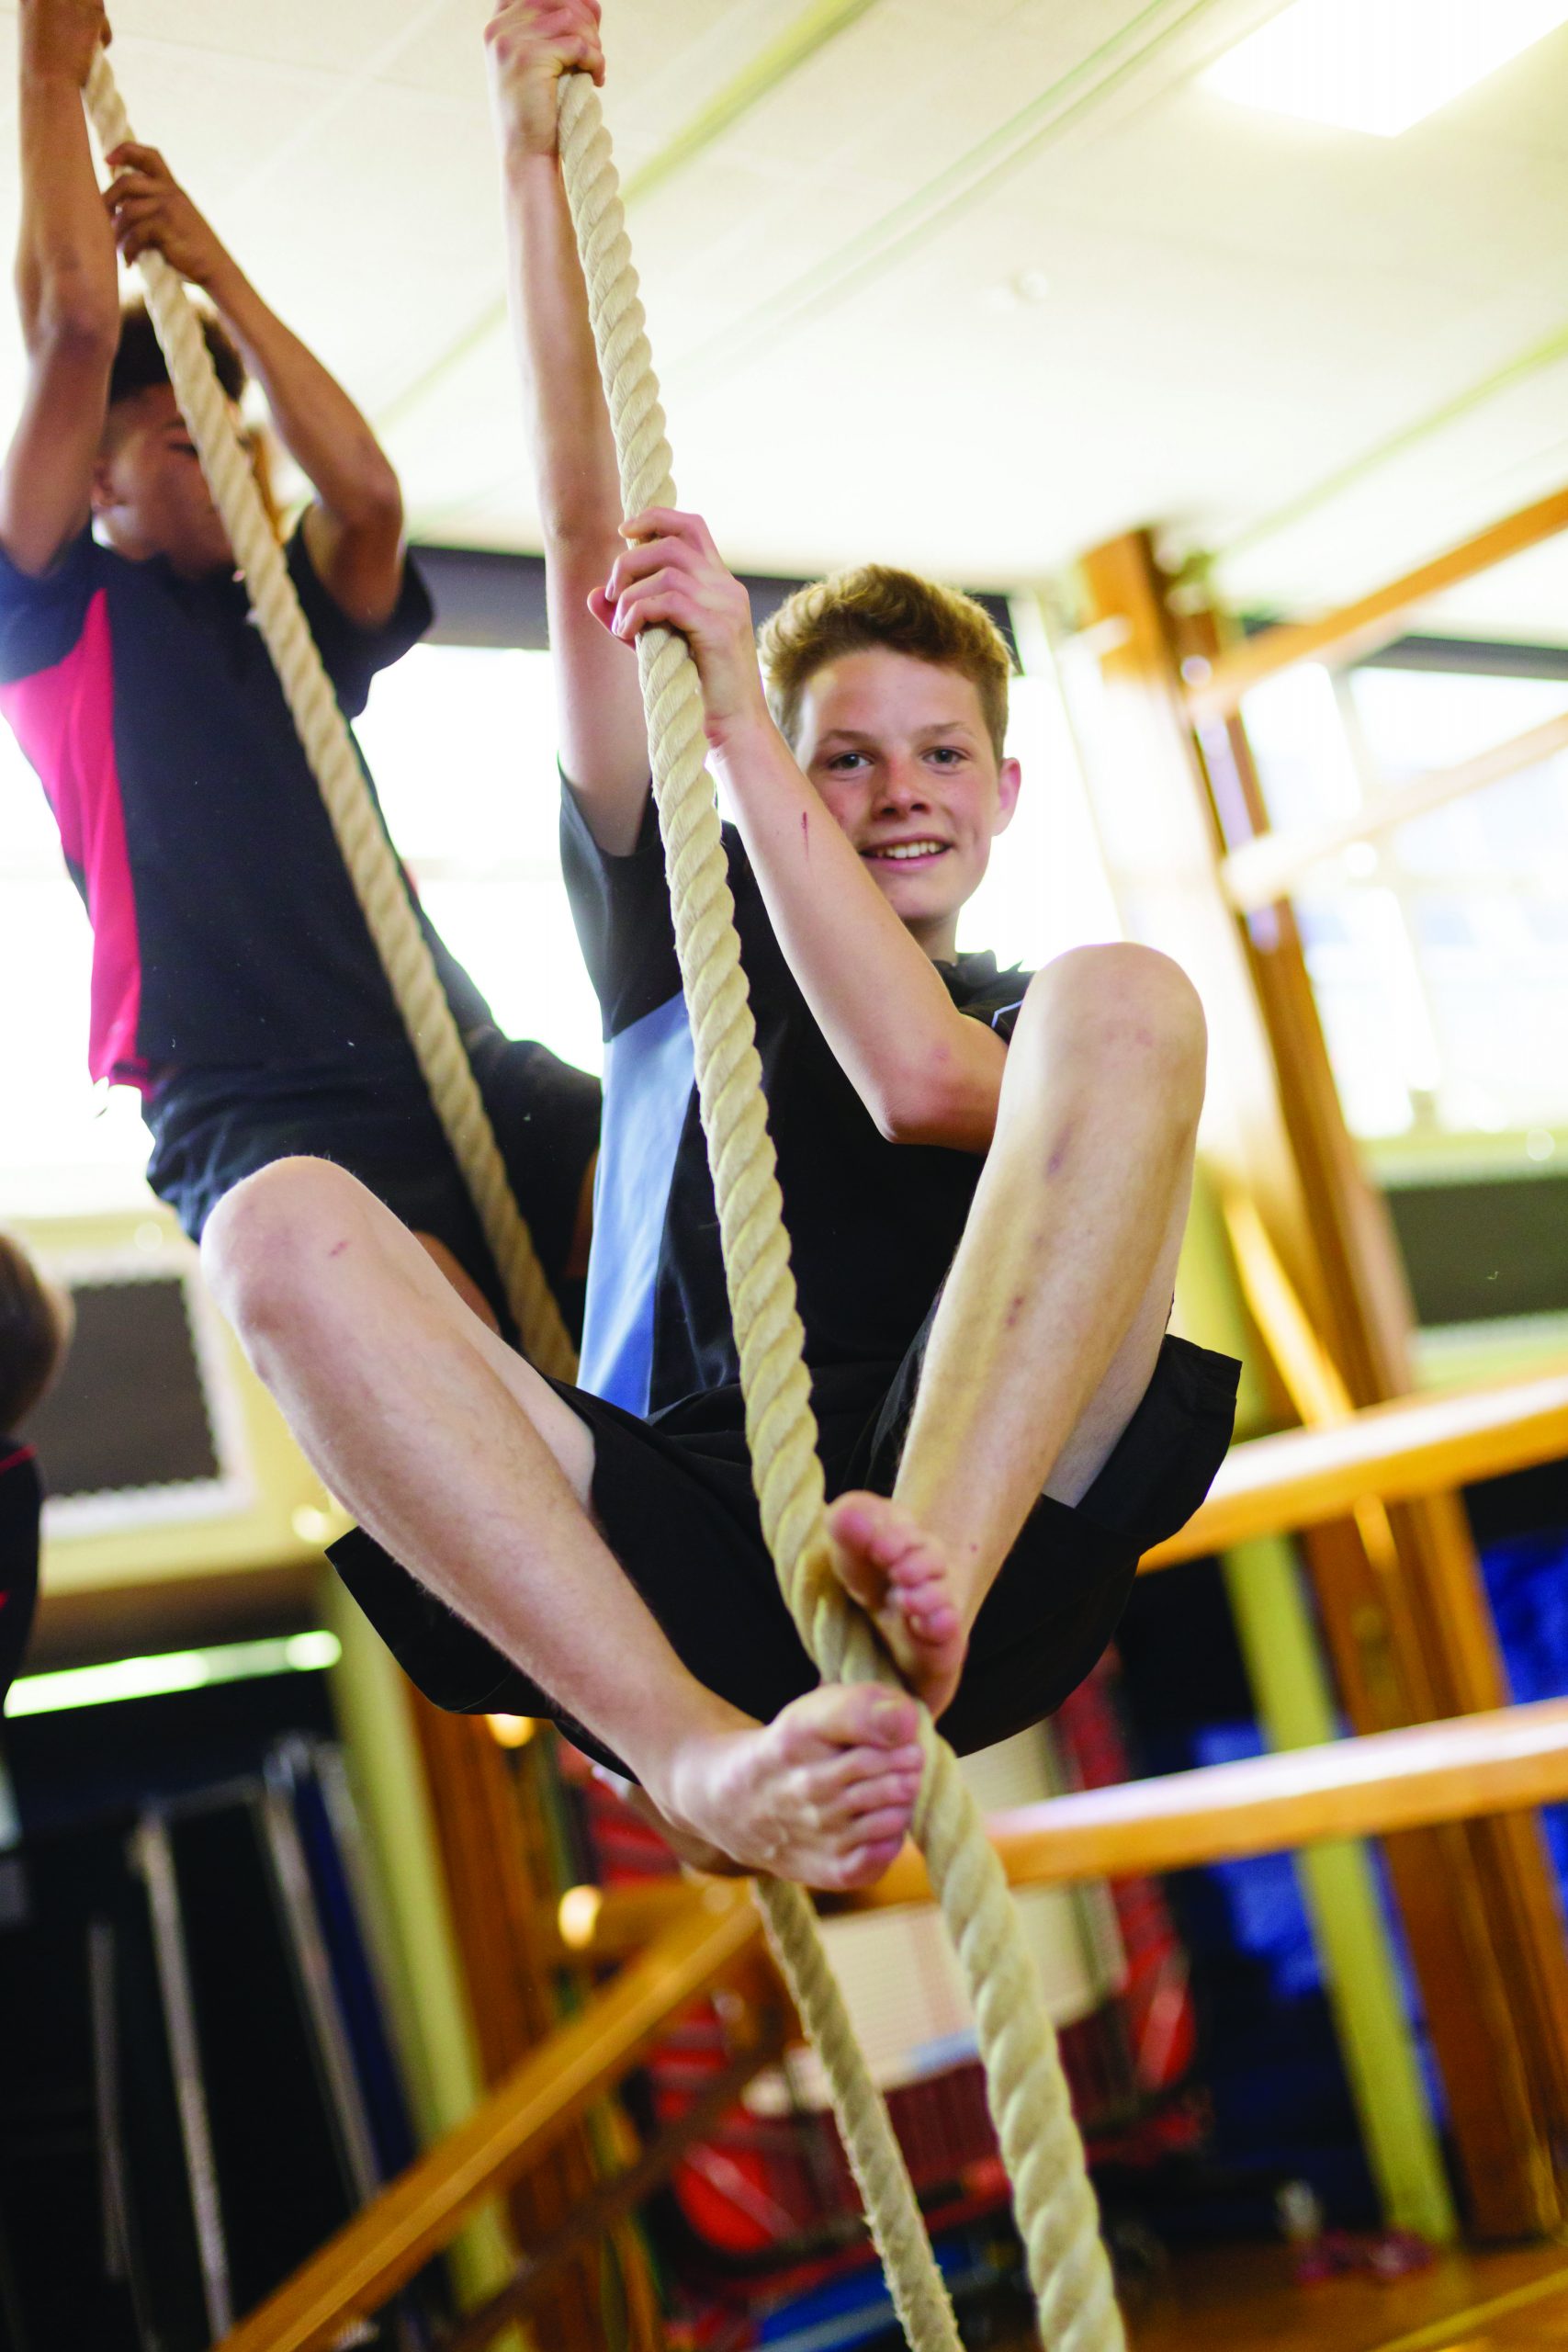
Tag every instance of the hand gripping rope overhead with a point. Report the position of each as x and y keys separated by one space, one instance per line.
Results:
x=1055 y=2204
x=373 y=869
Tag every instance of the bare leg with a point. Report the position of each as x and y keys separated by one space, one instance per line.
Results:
x=474 y=1474
x=461 y=1279
x=1054 y=1312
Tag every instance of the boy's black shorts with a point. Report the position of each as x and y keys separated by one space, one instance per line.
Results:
x=211 y=1127
x=673 y=1499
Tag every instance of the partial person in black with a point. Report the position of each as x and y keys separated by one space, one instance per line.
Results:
x=235 y=983
x=35 y=1331
x=986 y=1181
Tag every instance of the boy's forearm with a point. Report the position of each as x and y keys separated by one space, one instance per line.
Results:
x=924 y=1070
x=603 y=739
x=67 y=282
x=318 y=423
x=573 y=449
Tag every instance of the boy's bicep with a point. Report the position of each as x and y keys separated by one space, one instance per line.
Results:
x=46 y=480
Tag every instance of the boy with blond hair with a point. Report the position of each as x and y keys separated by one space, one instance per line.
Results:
x=985 y=1174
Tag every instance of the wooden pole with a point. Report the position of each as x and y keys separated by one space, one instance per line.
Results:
x=1514 y=1759
x=1219 y=1284
x=503 y=1911
x=1412 y=1641
x=359 y=2270
x=620 y=2195
x=1215 y=692
x=1416 y=1446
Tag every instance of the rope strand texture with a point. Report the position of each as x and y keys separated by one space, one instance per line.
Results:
x=329 y=747
x=1053 y=2201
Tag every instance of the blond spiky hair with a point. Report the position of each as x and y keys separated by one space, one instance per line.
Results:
x=876 y=606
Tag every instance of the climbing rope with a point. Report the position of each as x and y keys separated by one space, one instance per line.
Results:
x=1054 y=2202
x=378 y=879
x=1028 y=2093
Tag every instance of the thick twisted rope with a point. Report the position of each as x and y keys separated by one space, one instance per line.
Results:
x=1053 y=2199
x=378 y=879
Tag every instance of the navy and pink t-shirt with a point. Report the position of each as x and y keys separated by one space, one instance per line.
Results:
x=226 y=931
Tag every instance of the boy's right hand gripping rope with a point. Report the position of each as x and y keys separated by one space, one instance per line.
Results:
x=1054 y=2204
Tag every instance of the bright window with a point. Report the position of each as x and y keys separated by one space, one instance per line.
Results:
x=1438 y=952
x=462 y=743
x=461 y=740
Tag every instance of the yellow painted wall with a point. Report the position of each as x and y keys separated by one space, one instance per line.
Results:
x=282 y=1523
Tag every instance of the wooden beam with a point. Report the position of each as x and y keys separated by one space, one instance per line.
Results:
x=1263 y=871
x=1411 y=1637
x=1418 y=1446
x=614 y=2199
x=1357 y=628
x=356 y=2271
x=489 y=1820
x=1511 y=1759
x=1506 y=1761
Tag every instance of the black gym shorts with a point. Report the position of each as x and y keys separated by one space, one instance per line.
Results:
x=211 y=1127
x=674 y=1502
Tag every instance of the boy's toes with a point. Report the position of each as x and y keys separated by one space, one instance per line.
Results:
x=901 y=1577
x=864 y=1865
x=826 y=1726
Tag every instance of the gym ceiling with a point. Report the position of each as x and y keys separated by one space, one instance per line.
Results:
x=969 y=283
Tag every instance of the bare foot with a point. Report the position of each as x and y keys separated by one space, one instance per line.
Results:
x=697 y=1853
x=824 y=1794
x=902 y=1579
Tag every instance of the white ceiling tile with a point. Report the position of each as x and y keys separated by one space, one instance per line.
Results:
x=1238 y=311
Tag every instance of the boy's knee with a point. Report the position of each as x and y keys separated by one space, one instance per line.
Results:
x=255 y=1248
x=1129 y=1009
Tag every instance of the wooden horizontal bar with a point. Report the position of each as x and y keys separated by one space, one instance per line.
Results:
x=1502 y=1762
x=356 y=2271
x=1267 y=869
x=1418 y=1445
x=619 y=1921
x=1505 y=1761
x=1357 y=629
x=620 y=2195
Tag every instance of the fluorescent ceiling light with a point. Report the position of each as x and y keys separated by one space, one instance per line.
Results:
x=153 y=1678
x=1378 y=66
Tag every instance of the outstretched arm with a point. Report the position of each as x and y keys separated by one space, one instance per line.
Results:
x=925 y=1072
x=67 y=288
x=355 y=530
x=603 y=737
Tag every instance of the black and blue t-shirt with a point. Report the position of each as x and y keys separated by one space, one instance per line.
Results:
x=873 y=1225
x=225 y=927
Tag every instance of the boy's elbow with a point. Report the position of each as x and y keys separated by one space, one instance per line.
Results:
x=581 y=534
x=68 y=320
x=375 y=500
x=926 y=1106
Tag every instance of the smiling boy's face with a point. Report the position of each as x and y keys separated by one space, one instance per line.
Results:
x=899 y=750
